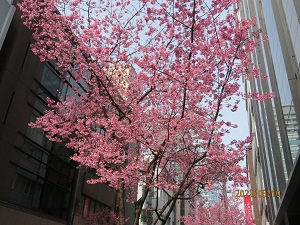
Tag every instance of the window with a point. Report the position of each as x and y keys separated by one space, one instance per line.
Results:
x=51 y=81
x=37 y=135
x=91 y=206
x=146 y=216
x=23 y=185
x=45 y=173
x=54 y=200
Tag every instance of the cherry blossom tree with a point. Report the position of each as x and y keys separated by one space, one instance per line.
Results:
x=226 y=211
x=103 y=216
x=159 y=73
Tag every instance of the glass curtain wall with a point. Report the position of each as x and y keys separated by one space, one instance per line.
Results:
x=45 y=174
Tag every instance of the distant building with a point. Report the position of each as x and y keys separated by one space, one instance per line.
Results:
x=274 y=162
x=155 y=198
x=210 y=197
x=158 y=198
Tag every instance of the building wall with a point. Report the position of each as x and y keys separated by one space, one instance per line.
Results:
x=275 y=122
x=256 y=202
x=17 y=65
x=39 y=184
x=12 y=215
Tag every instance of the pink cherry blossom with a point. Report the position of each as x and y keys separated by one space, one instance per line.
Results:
x=159 y=75
x=226 y=210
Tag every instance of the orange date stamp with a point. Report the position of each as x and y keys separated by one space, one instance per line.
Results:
x=258 y=193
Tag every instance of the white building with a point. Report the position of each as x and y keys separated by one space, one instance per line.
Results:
x=156 y=199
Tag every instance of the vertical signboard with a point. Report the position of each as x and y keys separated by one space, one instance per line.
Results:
x=248 y=209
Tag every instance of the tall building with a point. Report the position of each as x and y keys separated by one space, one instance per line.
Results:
x=213 y=196
x=275 y=122
x=39 y=184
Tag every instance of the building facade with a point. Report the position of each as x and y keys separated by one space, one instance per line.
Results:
x=39 y=184
x=275 y=122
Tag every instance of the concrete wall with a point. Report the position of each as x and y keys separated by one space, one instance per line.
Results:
x=13 y=215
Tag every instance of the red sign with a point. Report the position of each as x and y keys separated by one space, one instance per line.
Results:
x=86 y=206
x=248 y=208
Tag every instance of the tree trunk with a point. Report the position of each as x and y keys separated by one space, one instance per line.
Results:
x=139 y=205
x=138 y=209
x=121 y=202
